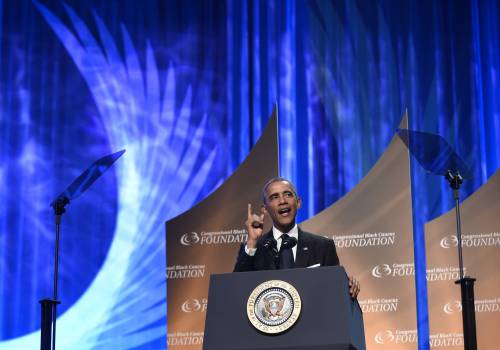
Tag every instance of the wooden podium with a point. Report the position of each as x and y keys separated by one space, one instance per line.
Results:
x=329 y=319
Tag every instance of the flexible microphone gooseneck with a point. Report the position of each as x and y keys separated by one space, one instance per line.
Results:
x=272 y=245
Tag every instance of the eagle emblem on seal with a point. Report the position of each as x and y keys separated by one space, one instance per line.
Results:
x=273 y=306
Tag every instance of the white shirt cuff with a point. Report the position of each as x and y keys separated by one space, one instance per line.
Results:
x=250 y=251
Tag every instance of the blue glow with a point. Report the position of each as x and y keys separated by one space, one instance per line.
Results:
x=174 y=84
x=161 y=176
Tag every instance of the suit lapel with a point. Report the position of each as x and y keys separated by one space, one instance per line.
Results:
x=303 y=250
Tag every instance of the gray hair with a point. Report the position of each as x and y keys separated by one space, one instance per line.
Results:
x=273 y=180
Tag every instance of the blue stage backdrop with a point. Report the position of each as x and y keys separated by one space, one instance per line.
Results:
x=187 y=87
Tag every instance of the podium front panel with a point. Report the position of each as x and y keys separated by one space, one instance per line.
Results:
x=329 y=318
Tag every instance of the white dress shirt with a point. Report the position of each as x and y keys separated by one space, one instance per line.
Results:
x=294 y=232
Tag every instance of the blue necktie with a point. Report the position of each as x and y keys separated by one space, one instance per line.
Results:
x=286 y=253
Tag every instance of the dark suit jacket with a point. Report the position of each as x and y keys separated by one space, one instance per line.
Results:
x=311 y=250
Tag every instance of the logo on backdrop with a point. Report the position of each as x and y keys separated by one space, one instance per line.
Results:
x=396 y=270
x=194 y=305
x=379 y=305
x=273 y=306
x=214 y=237
x=402 y=336
x=381 y=270
x=185 y=271
x=446 y=273
x=384 y=337
x=190 y=238
x=452 y=307
x=366 y=239
x=483 y=305
x=449 y=241
x=397 y=336
x=472 y=240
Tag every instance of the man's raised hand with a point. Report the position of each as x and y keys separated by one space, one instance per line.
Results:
x=255 y=226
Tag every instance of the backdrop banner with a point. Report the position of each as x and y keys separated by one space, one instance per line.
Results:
x=371 y=226
x=205 y=240
x=481 y=253
x=372 y=229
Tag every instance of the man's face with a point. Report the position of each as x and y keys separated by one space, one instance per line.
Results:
x=282 y=203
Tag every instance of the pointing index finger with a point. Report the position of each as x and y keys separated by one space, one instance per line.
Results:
x=249 y=210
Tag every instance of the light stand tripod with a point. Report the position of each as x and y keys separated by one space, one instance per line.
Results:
x=77 y=187
x=437 y=157
x=49 y=306
x=466 y=283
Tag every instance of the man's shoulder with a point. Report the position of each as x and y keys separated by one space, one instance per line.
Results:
x=314 y=237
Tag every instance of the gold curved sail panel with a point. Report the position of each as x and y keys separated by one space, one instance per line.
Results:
x=205 y=240
x=372 y=230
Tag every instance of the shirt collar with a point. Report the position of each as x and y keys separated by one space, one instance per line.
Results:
x=294 y=232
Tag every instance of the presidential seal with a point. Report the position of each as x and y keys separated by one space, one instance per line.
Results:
x=274 y=306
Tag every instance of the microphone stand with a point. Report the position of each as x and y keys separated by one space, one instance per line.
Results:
x=49 y=306
x=466 y=283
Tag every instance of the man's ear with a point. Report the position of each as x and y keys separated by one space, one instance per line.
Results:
x=263 y=209
x=299 y=202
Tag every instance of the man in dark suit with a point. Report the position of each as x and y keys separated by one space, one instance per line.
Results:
x=286 y=245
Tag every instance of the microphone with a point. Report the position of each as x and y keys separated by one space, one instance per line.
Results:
x=271 y=244
x=288 y=242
